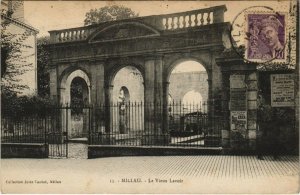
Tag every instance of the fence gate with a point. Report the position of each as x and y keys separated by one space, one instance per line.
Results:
x=57 y=133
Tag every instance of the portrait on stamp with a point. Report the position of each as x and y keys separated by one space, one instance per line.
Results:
x=266 y=37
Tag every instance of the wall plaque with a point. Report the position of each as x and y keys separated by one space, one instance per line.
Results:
x=282 y=90
x=238 y=99
x=237 y=81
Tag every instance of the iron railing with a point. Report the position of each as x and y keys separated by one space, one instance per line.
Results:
x=123 y=123
x=46 y=127
x=147 y=124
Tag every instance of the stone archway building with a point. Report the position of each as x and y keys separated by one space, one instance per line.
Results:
x=154 y=45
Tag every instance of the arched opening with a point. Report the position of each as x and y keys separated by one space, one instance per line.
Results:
x=65 y=85
x=188 y=76
x=127 y=111
x=79 y=93
x=188 y=108
x=75 y=94
x=79 y=110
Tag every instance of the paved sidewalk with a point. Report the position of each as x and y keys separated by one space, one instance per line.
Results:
x=172 y=174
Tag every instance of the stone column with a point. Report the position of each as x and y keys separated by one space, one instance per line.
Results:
x=97 y=83
x=165 y=108
x=149 y=101
x=209 y=103
x=154 y=102
x=57 y=94
x=239 y=93
x=252 y=92
x=158 y=95
x=225 y=132
x=53 y=84
x=243 y=107
x=161 y=96
x=108 y=103
x=97 y=95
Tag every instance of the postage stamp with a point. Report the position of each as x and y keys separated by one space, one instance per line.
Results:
x=266 y=37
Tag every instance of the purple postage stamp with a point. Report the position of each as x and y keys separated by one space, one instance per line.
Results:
x=266 y=37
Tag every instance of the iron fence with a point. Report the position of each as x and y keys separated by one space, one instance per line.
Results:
x=138 y=123
x=24 y=130
x=122 y=123
x=45 y=127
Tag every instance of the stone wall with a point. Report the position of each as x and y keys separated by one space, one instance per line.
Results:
x=24 y=150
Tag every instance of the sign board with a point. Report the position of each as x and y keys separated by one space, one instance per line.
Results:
x=238 y=99
x=238 y=121
x=237 y=81
x=282 y=90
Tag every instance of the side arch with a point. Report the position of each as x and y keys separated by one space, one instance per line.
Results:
x=65 y=84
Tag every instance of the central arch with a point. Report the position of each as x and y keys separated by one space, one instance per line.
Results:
x=187 y=76
x=189 y=88
x=126 y=99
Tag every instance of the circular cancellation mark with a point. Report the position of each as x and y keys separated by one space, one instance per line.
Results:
x=258 y=34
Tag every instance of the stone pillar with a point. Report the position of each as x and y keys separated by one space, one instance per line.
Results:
x=209 y=103
x=238 y=110
x=108 y=103
x=165 y=108
x=252 y=94
x=149 y=101
x=158 y=95
x=53 y=84
x=158 y=80
x=243 y=107
x=97 y=95
x=239 y=93
x=154 y=100
x=225 y=132
x=97 y=83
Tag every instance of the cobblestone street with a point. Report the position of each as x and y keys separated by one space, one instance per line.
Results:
x=173 y=174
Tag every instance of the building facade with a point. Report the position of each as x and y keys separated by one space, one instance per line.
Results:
x=13 y=14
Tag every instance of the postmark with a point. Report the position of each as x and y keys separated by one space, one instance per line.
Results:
x=259 y=35
x=265 y=37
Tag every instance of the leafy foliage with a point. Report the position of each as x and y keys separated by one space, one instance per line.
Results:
x=15 y=106
x=43 y=58
x=13 y=61
x=108 y=13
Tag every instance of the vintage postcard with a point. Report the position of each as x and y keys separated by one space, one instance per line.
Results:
x=150 y=97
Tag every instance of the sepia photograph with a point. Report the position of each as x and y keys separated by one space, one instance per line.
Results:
x=150 y=97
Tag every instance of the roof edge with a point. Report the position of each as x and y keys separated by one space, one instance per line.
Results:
x=20 y=23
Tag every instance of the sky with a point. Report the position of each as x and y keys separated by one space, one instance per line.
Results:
x=53 y=15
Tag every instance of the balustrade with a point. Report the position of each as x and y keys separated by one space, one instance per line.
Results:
x=176 y=21
x=70 y=35
x=167 y=22
x=191 y=18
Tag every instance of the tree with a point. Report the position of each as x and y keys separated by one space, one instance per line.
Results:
x=43 y=58
x=108 y=13
x=13 y=61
